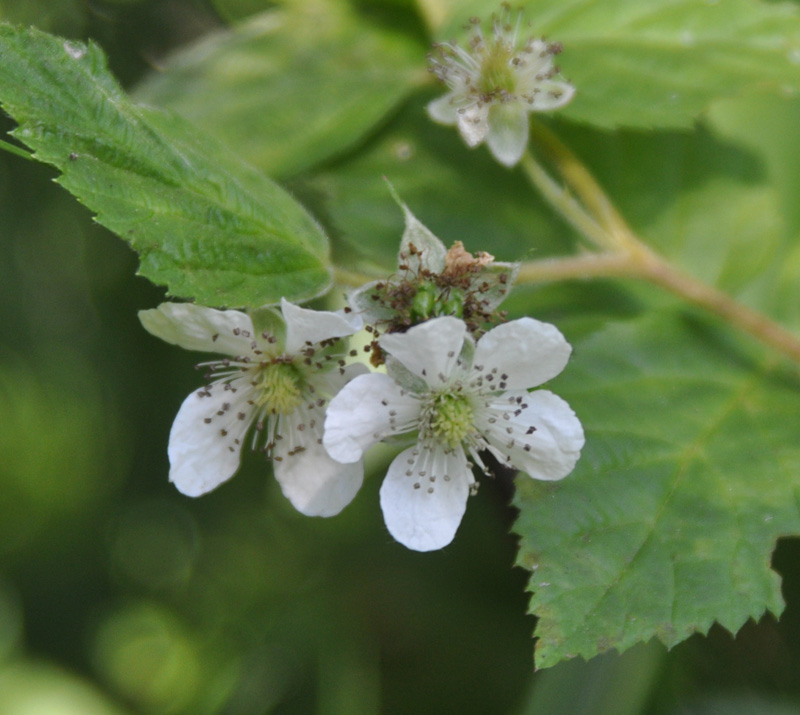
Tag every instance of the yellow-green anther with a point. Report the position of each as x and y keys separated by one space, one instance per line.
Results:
x=278 y=388
x=497 y=73
x=451 y=418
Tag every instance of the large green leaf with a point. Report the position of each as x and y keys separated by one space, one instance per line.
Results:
x=690 y=473
x=659 y=63
x=205 y=224
x=293 y=86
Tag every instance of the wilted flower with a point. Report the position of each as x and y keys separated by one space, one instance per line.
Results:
x=431 y=281
x=277 y=381
x=458 y=398
x=494 y=83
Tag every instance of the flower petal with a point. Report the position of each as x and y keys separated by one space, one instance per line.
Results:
x=425 y=495
x=554 y=446
x=552 y=95
x=473 y=123
x=314 y=483
x=443 y=110
x=313 y=326
x=195 y=327
x=508 y=132
x=430 y=350
x=206 y=438
x=522 y=353
x=331 y=382
x=429 y=253
x=365 y=410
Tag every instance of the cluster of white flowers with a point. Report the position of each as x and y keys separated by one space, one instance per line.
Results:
x=453 y=392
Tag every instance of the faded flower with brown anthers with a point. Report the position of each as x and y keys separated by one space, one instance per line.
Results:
x=494 y=82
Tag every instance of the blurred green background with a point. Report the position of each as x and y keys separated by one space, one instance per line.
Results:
x=118 y=595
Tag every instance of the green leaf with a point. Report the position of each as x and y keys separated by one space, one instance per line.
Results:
x=767 y=125
x=460 y=195
x=205 y=224
x=233 y=10
x=67 y=16
x=291 y=87
x=690 y=472
x=660 y=63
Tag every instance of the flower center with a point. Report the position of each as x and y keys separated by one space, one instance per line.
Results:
x=447 y=417
x=279 y=388
x=497 y=76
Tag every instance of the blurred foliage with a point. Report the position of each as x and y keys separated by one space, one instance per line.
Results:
x=118 y=595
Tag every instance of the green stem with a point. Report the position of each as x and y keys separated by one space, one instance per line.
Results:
x=560 y=197
x=583 y=203
x=19 y=151
x=588 y=265
x=618 y=234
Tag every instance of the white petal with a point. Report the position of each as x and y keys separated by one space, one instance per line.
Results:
x=361 y=414
x=473 y=123
x=443 y=110
x=195 y=327
x=508 y=132
x=331 y=382
x=426 y=517
x=554 y=447
x=430 y=350
x=430 y=251
x=201 y=457
x=315 y=484
x=313 y=326
x=524 y=353
x=552 y=96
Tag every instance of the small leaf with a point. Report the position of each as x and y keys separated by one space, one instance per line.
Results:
x=660 y=63
x=291 y=87
x=690 y=473
x=206 y=225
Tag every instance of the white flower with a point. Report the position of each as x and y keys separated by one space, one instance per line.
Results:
x=459 y=397
x=494 y=84
x=276 y=380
